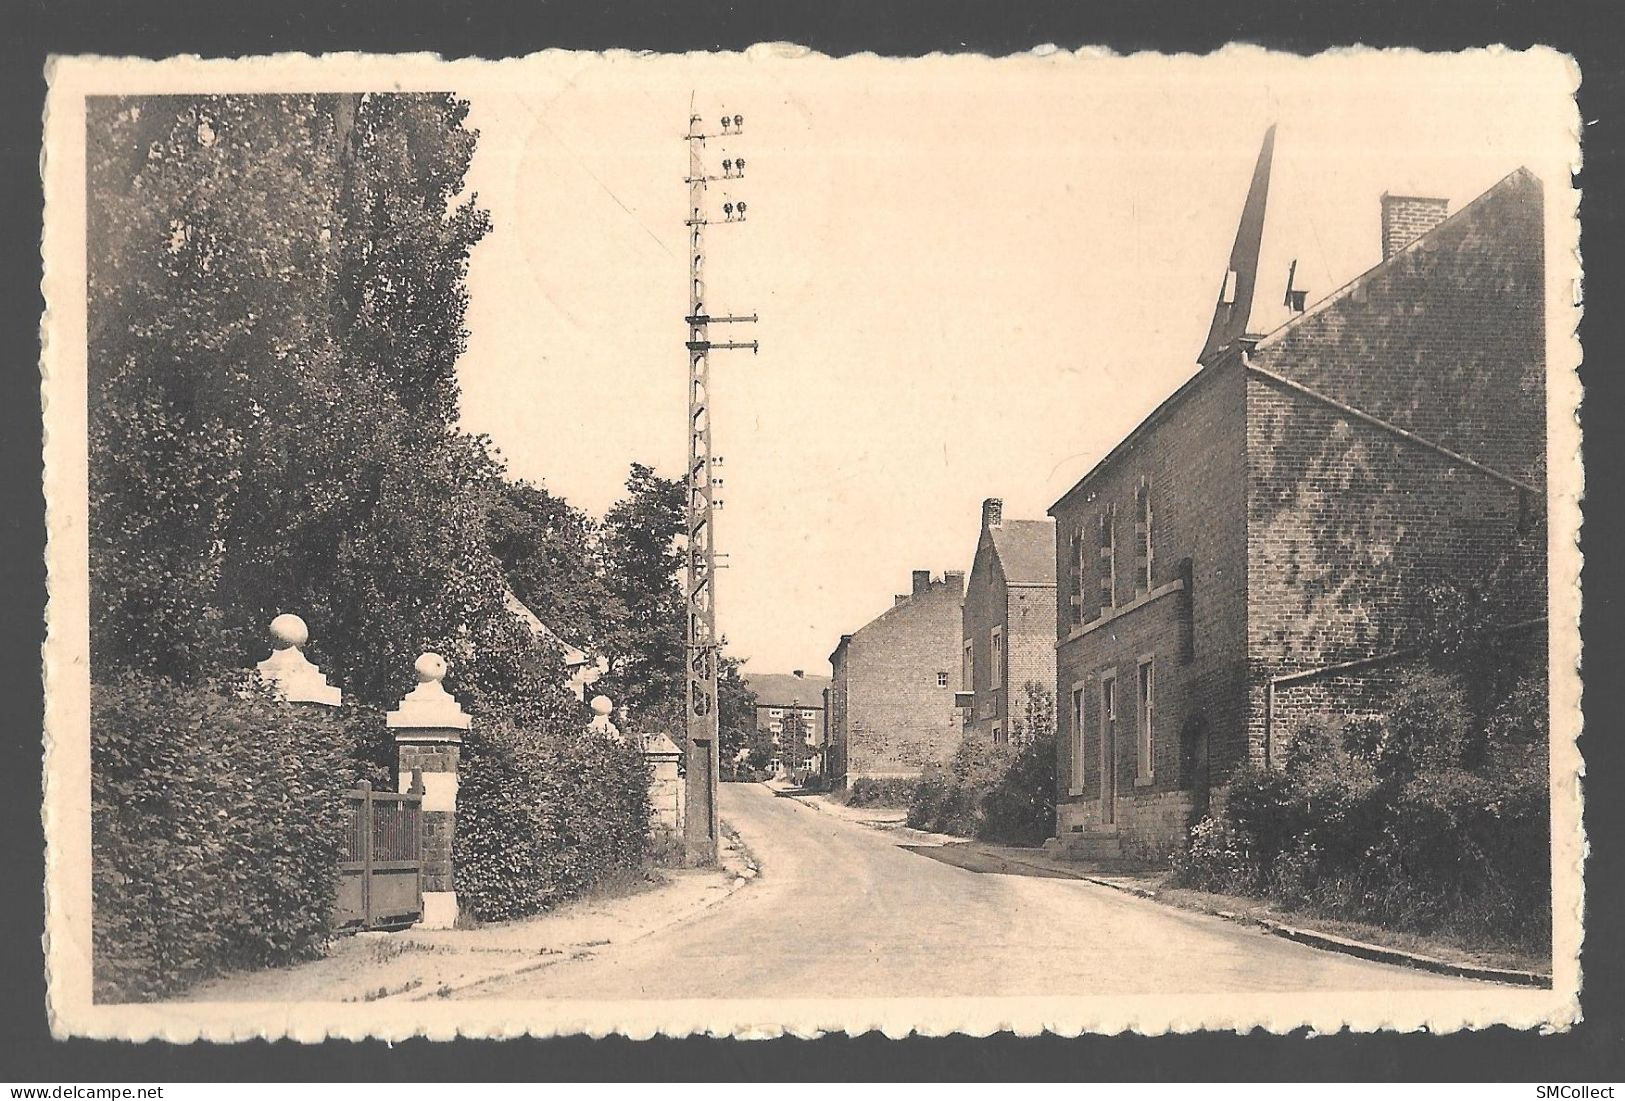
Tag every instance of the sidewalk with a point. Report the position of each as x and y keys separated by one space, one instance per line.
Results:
x=1349 y=938
x=414 y=965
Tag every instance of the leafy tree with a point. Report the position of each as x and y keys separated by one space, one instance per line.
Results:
x=736 y=710
x=276 y=309
x=793 y=741
x=549 y=553
x=1037 y=718
x=643 y=637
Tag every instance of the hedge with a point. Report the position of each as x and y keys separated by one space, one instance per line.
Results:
x=544 y=815
x=990 y=791
x=1425 y=820
x=216 y=822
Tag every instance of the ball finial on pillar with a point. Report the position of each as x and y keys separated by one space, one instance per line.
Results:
x=602 y=708
x=290 y=671
x=430 y=667
x=288 y=630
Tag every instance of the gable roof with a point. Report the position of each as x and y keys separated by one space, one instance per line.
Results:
x=787 y=690
x=1026 y=550
x=573 y=655
x=1235 y=352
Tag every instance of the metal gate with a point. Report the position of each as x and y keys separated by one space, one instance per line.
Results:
x=381 y=868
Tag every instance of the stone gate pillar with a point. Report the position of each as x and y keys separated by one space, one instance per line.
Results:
x=661 y=754
x=429 y=726
x=290 y=671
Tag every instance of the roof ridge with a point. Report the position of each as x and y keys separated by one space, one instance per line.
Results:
x=1348 y=288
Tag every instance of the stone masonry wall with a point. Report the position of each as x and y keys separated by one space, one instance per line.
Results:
x=437 y=826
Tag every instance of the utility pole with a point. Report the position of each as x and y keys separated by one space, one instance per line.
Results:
x=703 y=646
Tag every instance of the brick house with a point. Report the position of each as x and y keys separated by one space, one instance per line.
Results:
x=1008 y=632
x=1252 y=553
x=783 y=699
x=891 y=693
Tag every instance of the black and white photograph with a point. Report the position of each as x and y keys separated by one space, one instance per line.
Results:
x=764 y=543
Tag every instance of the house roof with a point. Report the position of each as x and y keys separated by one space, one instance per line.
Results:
x=1262 y=335
x=1026 y=550
x=573 y=655
x=787 y=689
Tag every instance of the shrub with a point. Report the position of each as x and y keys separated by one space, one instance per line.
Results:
x=950 y=798
x=216 y=822
x=1212 y=861
x=1020 y=808
x=544 y=815
x=1382 y=820
x=868 y=792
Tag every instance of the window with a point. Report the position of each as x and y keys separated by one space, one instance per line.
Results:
x=1108 y=748
x=1074 y=577
x=1077 y=741
x=995 y=676
x=775 y=712
x=942 y=680
x=1142 y=537
x=998 y=734
x=1145 y=719
x=966 y=669
x=1108 y=558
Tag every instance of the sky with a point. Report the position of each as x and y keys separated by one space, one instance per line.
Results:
x=974 y=276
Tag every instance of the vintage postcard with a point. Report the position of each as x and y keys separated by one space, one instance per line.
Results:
x=758 y=543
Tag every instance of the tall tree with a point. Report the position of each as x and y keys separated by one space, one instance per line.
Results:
x=277 y=294
x=642 y=557
x=549 y=553
x=793 y=741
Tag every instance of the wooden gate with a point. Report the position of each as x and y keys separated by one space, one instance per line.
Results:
x=381 y=869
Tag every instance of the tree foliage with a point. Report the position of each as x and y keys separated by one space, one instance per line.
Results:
x=276 y=304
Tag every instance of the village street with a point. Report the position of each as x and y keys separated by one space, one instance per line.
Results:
x=841 y=910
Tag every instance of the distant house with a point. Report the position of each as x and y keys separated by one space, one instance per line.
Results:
x=582 y=669
x=891 y=698
x=786 y=698
x=1252 y=553
x=1008 y=625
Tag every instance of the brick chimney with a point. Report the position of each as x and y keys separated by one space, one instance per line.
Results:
x=922 y=581
x=955 y=580
x=1407 y=217
x=992 y=513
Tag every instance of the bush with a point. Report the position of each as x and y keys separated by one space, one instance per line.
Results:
x=1383 y=820
x=867 y=792
x=948 y=798
x=543 y=816
x=216 y=822
x=1212 y=861
x=1020 y=808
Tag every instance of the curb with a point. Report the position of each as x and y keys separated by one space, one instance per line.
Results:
x=571 y=952
x=1327 y=942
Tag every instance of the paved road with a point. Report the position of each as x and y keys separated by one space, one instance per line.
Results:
x=841 y=911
